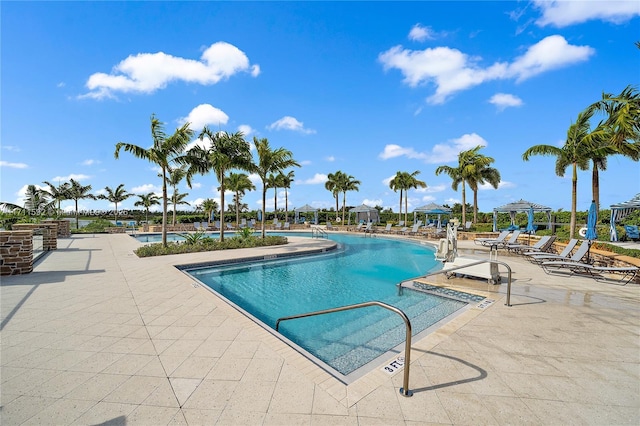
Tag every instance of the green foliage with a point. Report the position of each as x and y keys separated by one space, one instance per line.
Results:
x=94 y=227
x=194 y=238
x=208 y=244
x=244 y=233
x=615 y=249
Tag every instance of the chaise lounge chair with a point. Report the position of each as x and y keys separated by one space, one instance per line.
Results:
x=487 y=241
x=632 y=232
x=387 y=229
x=541 y=246
x=548 y=257
x=575 y=259
x=513 y=239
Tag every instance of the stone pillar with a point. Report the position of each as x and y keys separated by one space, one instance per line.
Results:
x=16 y=252
x=49 y=233
x=64 y=227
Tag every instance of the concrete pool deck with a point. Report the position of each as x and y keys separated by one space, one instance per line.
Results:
x=96 y=335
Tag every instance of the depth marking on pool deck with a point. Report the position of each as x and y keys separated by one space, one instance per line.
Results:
x=394 y=365
x=485 y=304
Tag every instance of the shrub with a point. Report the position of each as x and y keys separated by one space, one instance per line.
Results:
x=93 y=227
x=208 y=244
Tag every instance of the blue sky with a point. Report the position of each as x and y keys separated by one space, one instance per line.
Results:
x=367 y=88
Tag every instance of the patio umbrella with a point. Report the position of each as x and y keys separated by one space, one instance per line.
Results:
x=591 y=234
x=530 y=227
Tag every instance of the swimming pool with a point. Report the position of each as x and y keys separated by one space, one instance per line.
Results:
x=364 y=269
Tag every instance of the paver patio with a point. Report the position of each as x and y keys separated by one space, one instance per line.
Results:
x=95 y=335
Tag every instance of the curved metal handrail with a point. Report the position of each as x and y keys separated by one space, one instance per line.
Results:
x=479 y=262
x=318 y=232
x=404 y=390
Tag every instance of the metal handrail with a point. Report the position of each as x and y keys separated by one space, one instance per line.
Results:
x=479 y=262
x=318 y=232
x=404 y=390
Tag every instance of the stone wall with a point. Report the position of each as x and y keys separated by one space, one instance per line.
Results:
x=16 y=252
x=49 y=233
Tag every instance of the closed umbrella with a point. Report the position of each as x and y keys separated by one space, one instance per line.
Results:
x=591 y=234
x=530 y=227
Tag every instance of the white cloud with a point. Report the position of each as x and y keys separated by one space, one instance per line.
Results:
x=330 y=158
x=316 y=179
x=22 y=192
x=11 y=148
x=148 y=72
x=432 y=189
x=387 y=181
x=90 y=162
x=100 y=192
x=305 y=162
x=505 y=100
x=196 y=185
x=372 y=203
x=290 y=123
x=420 y=33
x=501 y=185
x=13 y=165
x=440 y=153
x=428 y=199
x=204 y=115
x=255 y=179
x=565 y=13
x=452 y=201
x=451 y=70
x=146 y=188
x=76 y=177
x=246 y=130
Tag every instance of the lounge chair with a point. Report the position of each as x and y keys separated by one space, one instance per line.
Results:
x=513 y=239
x=576 y=258
x=330 y=227
x=287 y=226
x=548 y=257
x=387 y=229
x=402 y=230
x=197 y=226
x=277 y=225
x=542 y=245
x=414 y=229
x=487 y=241
x=229 y=226
x=632 y=232
x=466 y=227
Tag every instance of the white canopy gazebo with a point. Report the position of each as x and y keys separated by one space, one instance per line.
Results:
x=363 y=212
x=620 y=211
x=307 y=209
x=519 y=206
x=434 y=209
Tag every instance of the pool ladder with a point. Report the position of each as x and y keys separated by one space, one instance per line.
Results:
x=404 y=390
x=318 y=233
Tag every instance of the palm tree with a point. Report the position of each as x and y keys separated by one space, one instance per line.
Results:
x=175 y=177
x=332 y=185
x=409 y=181
x=456 y=175
x=273 y=181
x=165 y=150
x=226 y=152
x=209 y=206
x=396 y=184
x=115 y=196
x=57 y=193
x=177 y=199
x=146 y=201
x=270 y=161
x=36 y=201
x=77 y=191
x=573 y=153
x=239 y=183
x=286 y=181
x=620 y=131
x=479 y=171
x=347 y=183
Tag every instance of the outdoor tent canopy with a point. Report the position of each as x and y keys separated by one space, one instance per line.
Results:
x=365 y=213
x=519 y=206
x=432 y=208
x=307 y=209
x=620 y=211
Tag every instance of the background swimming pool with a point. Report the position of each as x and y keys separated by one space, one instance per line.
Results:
x=366 y=269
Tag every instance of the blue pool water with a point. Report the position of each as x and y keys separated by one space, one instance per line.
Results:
x=364 y=269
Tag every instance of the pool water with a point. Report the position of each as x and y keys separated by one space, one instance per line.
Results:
x=365 y=269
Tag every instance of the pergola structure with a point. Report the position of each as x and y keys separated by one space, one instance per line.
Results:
x=519 y=206
x=620 y=211
x=307 y=209
x=434 y=209
x=363 y=212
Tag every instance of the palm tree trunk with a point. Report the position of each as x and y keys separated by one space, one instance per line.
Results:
x=264 y=211
x=464 y=203
x=116 y=212
x=275 y=203
x=400 y=212
x=475 y=206
x=286 y=205
x=221 y=207
x=237 y=209
x=337 y=207
x=344 y=203
x=595 y=186
x=406 y=206
x=574 y=201
x=164 y=207
x=77 y=218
